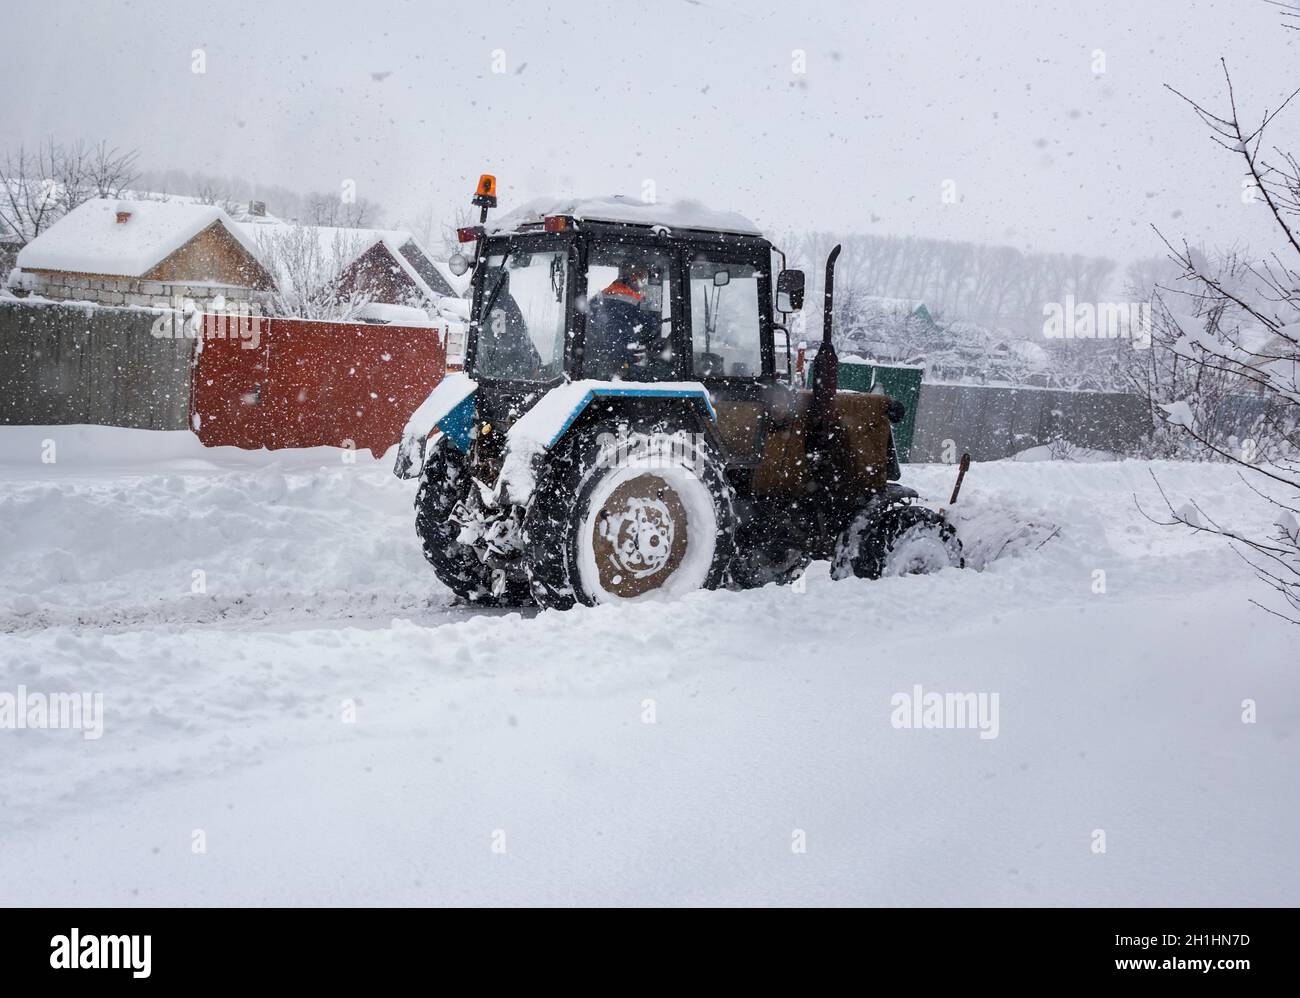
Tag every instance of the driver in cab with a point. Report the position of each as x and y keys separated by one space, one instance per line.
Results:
x=619 y=326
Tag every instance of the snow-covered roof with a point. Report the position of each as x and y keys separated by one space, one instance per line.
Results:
x=90 y=240
x=617 y=208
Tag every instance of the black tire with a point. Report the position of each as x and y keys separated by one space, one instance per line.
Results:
x=444 y=481
x=618 y=514
x=902 y=540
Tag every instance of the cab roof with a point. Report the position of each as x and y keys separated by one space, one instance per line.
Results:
x=618 y=209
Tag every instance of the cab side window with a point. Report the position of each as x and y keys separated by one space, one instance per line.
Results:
x=726 y=332
x=629 y=330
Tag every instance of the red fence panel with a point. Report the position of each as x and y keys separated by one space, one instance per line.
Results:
x=301 y=383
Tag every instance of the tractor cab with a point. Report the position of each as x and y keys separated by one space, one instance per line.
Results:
x=620 y=292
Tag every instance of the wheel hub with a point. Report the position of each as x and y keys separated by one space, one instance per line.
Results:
x=640 y=536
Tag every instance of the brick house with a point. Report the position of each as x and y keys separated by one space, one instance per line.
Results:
x=142 y=253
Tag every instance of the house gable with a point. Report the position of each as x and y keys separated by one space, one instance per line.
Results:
x=379 y=276
x=212 y=256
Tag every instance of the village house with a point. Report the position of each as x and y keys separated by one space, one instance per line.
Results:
x=144 y=253
x=385 y=266
x=388 y=268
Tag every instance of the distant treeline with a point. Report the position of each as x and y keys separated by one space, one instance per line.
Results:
x=1000 y=288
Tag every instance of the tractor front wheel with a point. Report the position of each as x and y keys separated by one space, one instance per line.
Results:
x=444 y=482
x=620 y=515
x=903 y=540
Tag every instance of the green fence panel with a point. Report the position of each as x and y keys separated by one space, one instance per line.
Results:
x=902 y=383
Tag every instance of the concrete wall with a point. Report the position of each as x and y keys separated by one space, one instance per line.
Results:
x=69 y=364
x=992 y=423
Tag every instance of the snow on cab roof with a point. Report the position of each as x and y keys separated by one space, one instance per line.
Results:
x=90 y=240
x=634 y=211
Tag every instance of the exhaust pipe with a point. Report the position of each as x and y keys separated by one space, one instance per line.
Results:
x=826 y=365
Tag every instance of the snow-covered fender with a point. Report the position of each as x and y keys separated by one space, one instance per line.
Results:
x=450 y=408
x=546 y=423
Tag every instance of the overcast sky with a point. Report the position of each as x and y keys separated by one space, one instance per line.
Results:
x=698 y=96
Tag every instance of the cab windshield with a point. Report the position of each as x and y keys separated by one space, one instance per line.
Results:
x=521 y=319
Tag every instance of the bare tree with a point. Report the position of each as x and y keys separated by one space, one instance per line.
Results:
x=42 y=185
x=221 y=195
x=309 y=268
x=331 y=209
x=435 y=230
x=1244 y=325
x=462 y=217
x=107 y=171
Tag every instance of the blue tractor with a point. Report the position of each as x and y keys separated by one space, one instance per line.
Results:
x=621 y=430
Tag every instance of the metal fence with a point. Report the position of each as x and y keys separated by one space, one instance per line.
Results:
x=296 y=383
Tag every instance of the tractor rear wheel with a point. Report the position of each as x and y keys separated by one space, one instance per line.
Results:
x=445 y=481
x=903 y=540
x=620 y=516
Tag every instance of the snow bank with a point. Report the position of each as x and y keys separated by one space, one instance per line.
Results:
x=115 y=528
x=85 y=449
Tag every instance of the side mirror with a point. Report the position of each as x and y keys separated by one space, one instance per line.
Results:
x=789 y=291
x=458 y=264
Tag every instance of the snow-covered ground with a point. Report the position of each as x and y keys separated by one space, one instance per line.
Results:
x=336 y=733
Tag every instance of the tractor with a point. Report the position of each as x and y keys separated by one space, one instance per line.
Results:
x=624 y=428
